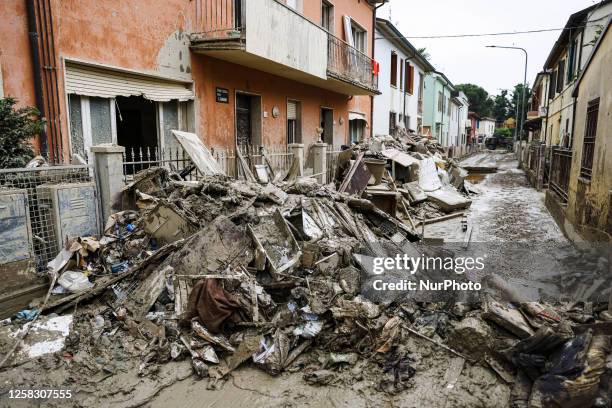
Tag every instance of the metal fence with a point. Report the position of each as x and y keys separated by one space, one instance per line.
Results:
x=136 y=159
x=279 y=158
x=332 y=161
x=560 y=168
x=42 y=222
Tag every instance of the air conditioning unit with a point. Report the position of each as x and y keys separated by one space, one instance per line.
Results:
x=73 y=210
x=15 y=229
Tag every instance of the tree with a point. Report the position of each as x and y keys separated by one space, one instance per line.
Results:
x=501 y=106
x=424 y=53
x=478 y=98
x=503 y=133
x=17 y=127
x=517 y=103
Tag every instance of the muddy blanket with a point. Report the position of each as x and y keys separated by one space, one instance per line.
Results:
x=212 y=304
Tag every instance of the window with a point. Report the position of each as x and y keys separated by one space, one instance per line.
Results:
x=553 y=85
x=421 y=86
x=76 y=125
x=407 y=121
x=327 y=16
x=101 y=127
x=401 y=66
x=409 y=78
x=294 y=128
x=440 y=101
x=356 y=130
x=360 y=38
x=571 y=64
x=588 y=144
x=448 y=105
x=560 y=75
x=392 y=120
x=393 y=69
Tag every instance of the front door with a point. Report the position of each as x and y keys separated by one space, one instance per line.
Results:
x=327 y=124
x=243 y=119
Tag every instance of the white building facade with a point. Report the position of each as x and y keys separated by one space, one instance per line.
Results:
x=458 y=120
x=401 y=82
x=486 y=128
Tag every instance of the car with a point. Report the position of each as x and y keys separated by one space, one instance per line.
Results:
x=491 y=142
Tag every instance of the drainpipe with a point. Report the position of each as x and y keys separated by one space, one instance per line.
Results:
x=547 y=92
x=373 y=54
x=38 y=92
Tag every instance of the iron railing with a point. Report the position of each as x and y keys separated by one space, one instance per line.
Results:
x=220 y=19
x=560 y=168
x=347 y=63
x=176 y=159
x=588 y=143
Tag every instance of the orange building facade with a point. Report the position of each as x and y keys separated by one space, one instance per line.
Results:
x=264 y=72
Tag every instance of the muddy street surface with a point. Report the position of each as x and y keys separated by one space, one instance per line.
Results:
x=506 y=207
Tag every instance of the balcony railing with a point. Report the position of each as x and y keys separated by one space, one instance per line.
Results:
x=347 y=63
x=220 y=19
x=560 y=168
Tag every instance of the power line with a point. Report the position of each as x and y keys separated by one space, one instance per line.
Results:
x=543 y=30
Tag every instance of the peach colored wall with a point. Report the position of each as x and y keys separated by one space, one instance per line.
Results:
x=362 y=13
x=131 y=34
x=17 y=71
x=217 y=119
x=127 y=34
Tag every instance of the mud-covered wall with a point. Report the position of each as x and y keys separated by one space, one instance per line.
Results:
x=589 y=200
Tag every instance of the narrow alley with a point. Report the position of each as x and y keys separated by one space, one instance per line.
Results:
x=504 y=206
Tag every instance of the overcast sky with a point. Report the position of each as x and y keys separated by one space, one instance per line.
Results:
x=466 y=59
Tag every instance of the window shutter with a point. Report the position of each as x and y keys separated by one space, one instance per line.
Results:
x=401 y=65
x=393 y=69
x=552 y=86
x=291 y=110
x=410 y=79
x=561 y=76
x=88 y=80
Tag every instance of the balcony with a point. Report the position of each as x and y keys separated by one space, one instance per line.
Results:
x=533 y=115
x=268 y=36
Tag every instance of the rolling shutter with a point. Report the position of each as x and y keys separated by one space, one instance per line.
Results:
x=102 y=82
x=291 y=110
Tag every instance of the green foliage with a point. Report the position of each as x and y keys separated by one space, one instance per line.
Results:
x=424 y=53
x=501 y=106
x=598 y=32
x=503 y=133
x=517 y=103
x=479 y=99
x=17 y=127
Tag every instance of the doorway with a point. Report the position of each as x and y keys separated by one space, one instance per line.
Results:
x=248 y=119
x=136 y=123
x=327 y=124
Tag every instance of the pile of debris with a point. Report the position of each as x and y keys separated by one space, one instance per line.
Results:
x=223 y=271
x=408 y=175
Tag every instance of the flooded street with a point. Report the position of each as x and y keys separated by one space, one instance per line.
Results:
x=505 y=208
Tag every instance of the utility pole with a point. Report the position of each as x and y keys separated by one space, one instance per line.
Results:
x=523 y=104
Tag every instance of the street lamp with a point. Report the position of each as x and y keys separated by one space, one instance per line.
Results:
x=523 y=101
